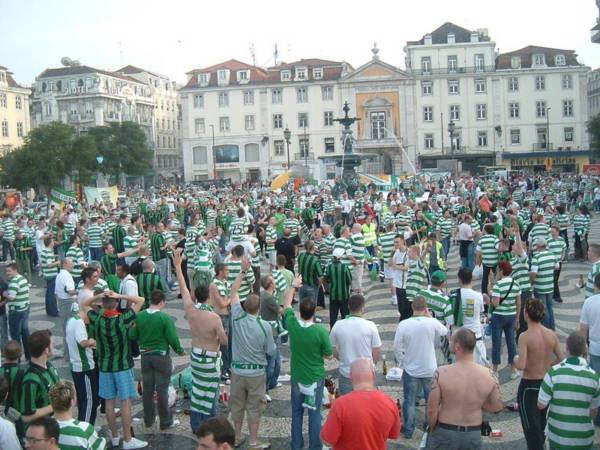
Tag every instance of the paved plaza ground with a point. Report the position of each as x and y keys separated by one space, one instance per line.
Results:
x=276 y=422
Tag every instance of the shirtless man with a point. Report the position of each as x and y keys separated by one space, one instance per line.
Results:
x=539 y=349
x=207 y=337
x=459 y=394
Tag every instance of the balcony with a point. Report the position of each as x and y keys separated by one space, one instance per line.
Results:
x=304 y=156
x=542 y=147
x=78 y=118
x=367 y=143
x=456 y=71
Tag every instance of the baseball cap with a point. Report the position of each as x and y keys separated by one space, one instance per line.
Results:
x=438 y=277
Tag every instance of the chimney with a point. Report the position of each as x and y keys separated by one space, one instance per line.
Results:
x=474 y=36
x=428 y=40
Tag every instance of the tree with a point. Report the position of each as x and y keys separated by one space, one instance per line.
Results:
x=124 y=147
x=593 y=127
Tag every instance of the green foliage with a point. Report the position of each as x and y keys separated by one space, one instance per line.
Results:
x=593 y=127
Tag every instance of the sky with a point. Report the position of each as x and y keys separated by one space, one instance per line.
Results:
x=172 y=37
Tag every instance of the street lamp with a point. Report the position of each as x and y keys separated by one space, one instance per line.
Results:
x=451 y=128
x=548 y=128
x=287 y=134
x=99 y=160
x=212 y=151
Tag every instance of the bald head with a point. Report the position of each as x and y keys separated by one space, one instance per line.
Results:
x=147 y=265
x=362 y=373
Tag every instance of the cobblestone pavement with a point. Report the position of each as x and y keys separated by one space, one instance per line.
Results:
x=276 y=422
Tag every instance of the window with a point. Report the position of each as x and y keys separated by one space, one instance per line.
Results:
x=480 y=87
x=513 y=110
x=276 y=96
x=252 y=152
x=300 y=74
x=567 y=81
x=327 y=93
x=248 y=97
x=277 y=121
x=568 y=108
x=328 y=118
x=3 y=101
x=427 y=87
x=48 y=109
x=169 y=141
x=249 y=122
x=515 y=136
x=479 y=62
x=302 y=120
x=203 y=78
x=481 y=111
x=18 y=102
x=426 y=64
x=429 y=141
x=279 y=147
x=304 y=146
x=453 y=87
x=378 y=121
x=243 y=76
x=515 y=62
x=452 y=63
x=454 y=112
x=317 y=73
x=559 y=60
x=482 y=138
x=222 y=74
x=540 y=83
x=200 y=155
x=286 y=75
x=224 y=123
x=301 y=95
x=538 y=59
x=513 y=84
x=198 y=101
x=329 y=145
x=223 y=99
x=199 y=126
x=5 y=128
x=428 y=113
x=568 y=131
x=540 y=109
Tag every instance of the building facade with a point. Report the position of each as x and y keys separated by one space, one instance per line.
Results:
x=594 y=93
x=166 y=124
x=234 y=117
x=15 y=121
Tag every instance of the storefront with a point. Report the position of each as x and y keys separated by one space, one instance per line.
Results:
x=554 y=161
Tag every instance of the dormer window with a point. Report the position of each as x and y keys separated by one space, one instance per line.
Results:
x=451 y=38
x=223 y=76
x=203 y=79
x=286 y=75
x=559 y=60
x=317 y=73
x=515 y=62
x=243 y=76
x=2 y=77
x=301 y=74
x=539 y=60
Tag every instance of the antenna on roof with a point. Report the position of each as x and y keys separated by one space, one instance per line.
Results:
x=253 y=54
x=275 y=55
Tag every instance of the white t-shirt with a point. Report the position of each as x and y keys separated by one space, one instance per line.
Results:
x=347 y=205
x=590 y=316
x=472 y=306
x=414 y=345
x=64 y=284
x=354 y=338
x=465 y=232
x=74 y=334
x=128 y=287
x=8 y=435
x=400 y=258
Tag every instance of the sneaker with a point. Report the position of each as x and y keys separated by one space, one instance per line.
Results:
x=134 y=443
x=558 y=300
x=284 y=378
x=268 y=398
x=115 y=441
x=137 y=358
x=175 y=423
x=393 y=300
x=317 y=320
x=259 y=446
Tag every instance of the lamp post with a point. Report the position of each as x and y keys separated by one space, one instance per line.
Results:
x=212 y=151
x=451 y=128
x=548 y=128
x=99 y=160
x=287 y=134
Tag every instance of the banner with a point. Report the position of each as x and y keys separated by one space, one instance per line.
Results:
x=384 y=182
x=107 y=195
x=59 y=197
x=591 y=169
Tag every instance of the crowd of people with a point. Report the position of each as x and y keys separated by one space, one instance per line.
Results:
x=252 y=270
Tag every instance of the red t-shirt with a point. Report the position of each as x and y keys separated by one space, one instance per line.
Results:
x=362 y=420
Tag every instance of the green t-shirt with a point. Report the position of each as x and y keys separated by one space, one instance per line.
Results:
x=308 y=345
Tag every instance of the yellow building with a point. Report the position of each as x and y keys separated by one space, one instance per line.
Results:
x=15 y=121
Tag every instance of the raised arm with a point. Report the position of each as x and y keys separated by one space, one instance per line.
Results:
x=185 y=293
x=235 y=298
x=289 y=295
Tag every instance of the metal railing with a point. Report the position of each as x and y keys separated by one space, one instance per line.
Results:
x=456 y=71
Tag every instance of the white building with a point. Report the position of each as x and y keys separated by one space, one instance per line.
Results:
x=166 y=125
x=234 y=116
x=594 y=93
x=15 y=121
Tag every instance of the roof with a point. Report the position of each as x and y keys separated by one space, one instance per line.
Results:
x=440 y=35
x=129 y=69
x=308 y=62
x=11 y=81
x=232 y=64
x=80 y=70
x=503 y=61
x=3 y=68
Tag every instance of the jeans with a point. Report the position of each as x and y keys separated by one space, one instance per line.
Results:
x=86 y=386
x=314 y=418
x=3 y=329
x=197 y=419
x=345 y=385
x=547 y=300
x=556 y=278
x=306 y=290
x=468 y=258
x=486 y=276
x=96 y=253
x=51 y=306
x=156 y=376
x=506 y=324
x=226 y=349
x=336 y=306
x=162 y=267
x=446 y=246
x=595 y=364
x=411 y=386
x=18 y=324
x=404 y=306
x=273 y=368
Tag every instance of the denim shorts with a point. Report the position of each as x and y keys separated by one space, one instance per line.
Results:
x=117 y=384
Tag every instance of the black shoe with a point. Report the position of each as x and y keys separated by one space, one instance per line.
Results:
x=558 y=300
